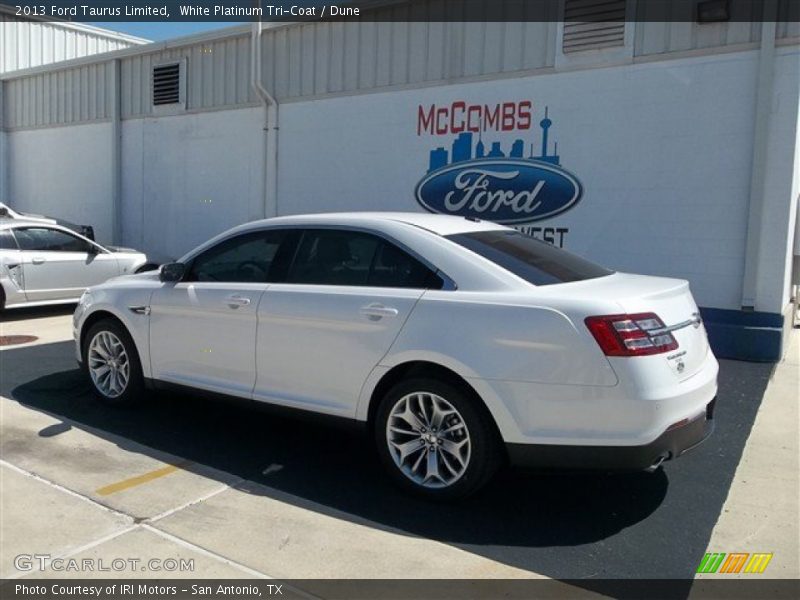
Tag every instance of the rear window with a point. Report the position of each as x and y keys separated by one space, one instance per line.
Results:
x=533 y=260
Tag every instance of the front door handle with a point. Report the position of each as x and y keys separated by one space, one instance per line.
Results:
x=236 y=301
x=37 y=260
x=378 y=311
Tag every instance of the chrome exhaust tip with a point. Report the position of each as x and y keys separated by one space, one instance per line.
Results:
x=657 y=463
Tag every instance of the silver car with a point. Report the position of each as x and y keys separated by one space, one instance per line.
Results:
x=49 y=264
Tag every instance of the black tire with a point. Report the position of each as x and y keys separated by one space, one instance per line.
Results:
x=134 y=390
x=485 y=452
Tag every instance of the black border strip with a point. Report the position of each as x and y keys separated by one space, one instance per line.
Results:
x=706 y=12
x=752 y=587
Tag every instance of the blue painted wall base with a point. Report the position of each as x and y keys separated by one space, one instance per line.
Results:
x=745 y=335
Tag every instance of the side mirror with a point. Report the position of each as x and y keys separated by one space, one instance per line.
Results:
x=92 y=249
x=172 y=272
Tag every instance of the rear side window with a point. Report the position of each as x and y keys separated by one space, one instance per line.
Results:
x=7 y=241
x=534 y=261
x=395 y=268
x=354 y=258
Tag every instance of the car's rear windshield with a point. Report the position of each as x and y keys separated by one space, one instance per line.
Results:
x=533 y=260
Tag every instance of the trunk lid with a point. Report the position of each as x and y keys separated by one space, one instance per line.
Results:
x=672 y=301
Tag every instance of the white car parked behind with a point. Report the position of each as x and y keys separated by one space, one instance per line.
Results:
x=45 y=263
x=458 y=343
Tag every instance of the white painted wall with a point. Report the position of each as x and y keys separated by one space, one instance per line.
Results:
x=63 y=172
x=793 y=236
x=186 y=178
x=663 y=150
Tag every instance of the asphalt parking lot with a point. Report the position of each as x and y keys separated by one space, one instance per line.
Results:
x=251 y=493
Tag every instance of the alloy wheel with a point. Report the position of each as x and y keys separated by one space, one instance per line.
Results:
x=428 y=440
x=108 y=364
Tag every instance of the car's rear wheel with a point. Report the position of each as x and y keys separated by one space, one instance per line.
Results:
x=112 y=363
x=434 y=440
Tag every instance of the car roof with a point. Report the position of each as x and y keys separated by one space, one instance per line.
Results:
x=6 y=223
x=21 y=222
x=439 y=224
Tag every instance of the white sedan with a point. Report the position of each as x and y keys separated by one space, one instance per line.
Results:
x=459 y=344
x=45 y=263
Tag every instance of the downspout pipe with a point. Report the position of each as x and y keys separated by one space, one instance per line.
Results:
x=116 y=154
x=758 y=176
x=4 y=170
x=271 y=126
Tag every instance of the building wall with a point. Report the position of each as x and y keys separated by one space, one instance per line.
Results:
x=659 y=132
x=790 y=160
x=26 y=43
x=60 y=97
x=187 y=178
x=73 y=183
x=663 y=152
x=217 y=76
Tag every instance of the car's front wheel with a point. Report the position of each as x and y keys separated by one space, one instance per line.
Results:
x=434 y=440
x=112 y=363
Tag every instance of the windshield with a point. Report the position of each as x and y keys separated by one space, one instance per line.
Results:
x=533 y=260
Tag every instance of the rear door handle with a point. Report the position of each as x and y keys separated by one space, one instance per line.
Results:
x=378 y=311
x=38 y=260
x=236 y=301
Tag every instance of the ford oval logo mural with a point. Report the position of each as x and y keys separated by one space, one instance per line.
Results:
x=502 y=190
x=484 y=180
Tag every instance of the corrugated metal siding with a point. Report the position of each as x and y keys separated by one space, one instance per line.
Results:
x=658 y=37
x=315 y=59
x=66 y=96
x=25 y=44
x=323 y=58
x=217 y=75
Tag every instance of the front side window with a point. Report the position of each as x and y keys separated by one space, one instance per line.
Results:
x=533 y=260
x=354 y=258
x=43 y=239
x=247 y=258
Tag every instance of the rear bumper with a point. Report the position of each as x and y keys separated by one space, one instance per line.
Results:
x=675 y=441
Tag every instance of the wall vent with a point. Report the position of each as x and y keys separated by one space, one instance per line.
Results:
x=593 y=24
x=167 y=84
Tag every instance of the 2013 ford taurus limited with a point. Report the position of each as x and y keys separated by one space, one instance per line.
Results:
x=459 y=343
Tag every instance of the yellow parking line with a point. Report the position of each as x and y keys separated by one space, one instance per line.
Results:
x=139 y=479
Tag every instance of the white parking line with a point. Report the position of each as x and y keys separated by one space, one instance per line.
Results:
x=200 y=550
x=79 y=549
x=61 y=488
x=202 y=498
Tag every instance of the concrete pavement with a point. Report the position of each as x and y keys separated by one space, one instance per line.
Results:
x=242 y=494
x=762 y=511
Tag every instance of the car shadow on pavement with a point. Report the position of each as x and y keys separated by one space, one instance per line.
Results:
x=560 y=524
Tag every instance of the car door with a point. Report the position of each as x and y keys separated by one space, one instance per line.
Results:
x=203 y=329
x=59 y=265
x=11 y=269
x=323 y=330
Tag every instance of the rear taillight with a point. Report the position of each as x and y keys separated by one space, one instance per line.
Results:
x=631 y=335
